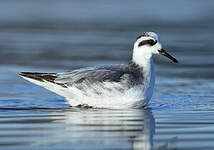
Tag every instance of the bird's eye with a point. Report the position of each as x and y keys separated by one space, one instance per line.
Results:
x=149 y=42
x=152 y=42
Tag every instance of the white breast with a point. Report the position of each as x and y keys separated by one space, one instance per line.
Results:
x=151 y=83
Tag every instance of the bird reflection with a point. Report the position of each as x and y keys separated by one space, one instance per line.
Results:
x=110 y=129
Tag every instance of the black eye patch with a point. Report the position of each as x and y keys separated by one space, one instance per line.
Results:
x=149 y=42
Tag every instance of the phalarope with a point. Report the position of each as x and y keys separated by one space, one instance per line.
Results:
x=119 y=86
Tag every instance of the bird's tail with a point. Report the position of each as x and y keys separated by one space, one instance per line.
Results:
x=46 y=80
x=39 y=77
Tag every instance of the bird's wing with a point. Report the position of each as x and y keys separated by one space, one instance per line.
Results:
x=92 y=75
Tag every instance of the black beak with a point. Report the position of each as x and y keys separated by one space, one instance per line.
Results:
x=164 y=53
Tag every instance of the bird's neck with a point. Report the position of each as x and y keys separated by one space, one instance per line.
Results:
x=146 y=63
x=143 y=60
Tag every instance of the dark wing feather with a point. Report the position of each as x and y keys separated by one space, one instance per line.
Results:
x=50 y=77
x=39 y=76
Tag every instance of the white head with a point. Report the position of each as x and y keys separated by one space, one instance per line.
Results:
x=147 y=44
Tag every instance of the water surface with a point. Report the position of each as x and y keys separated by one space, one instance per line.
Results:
x=55 y=36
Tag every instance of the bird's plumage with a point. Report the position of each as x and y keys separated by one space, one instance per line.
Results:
x=119 y=86
x=95 y=86
x=130 y=73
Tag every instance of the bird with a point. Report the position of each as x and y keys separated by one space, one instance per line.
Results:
x=120 y=86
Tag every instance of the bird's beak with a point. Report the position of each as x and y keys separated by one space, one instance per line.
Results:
x=164 y=53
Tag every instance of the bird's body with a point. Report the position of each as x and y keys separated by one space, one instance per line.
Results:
x=121 y=86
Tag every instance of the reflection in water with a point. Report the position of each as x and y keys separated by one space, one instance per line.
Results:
x=91 y=129
x=101 y=129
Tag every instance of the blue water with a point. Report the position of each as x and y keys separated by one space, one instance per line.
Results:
x=56 y=36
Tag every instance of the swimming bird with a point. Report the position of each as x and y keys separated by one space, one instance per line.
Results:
x=119 y=86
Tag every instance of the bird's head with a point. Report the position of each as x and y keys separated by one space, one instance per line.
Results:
x=147 y=44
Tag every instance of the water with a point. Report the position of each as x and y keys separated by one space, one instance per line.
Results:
x=55 y=36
